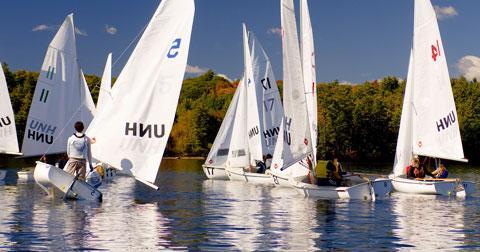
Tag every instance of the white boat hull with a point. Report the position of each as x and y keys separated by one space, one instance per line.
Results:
x=49 y=177
x=239 y=174
x=431 y=187
x=382 y=188
x=25 y=176
x=466 y=189
x=361 y=191
x=215 y=172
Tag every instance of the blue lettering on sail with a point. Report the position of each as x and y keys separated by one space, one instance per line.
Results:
x=445 y=122
x=173 y=52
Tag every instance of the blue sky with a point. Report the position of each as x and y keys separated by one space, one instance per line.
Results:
x=355 y=40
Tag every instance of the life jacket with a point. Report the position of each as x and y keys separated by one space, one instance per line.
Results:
x=407 y=170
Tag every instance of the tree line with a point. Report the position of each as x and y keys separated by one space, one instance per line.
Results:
x=359 y=122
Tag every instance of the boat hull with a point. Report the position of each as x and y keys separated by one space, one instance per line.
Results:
x=405 y=185
x=49 y=177
x=361 y=191
x=382 y=188
x=3 y=174
x=25 y=176
x=239 y=174
x=467 y=188
x=215 y=172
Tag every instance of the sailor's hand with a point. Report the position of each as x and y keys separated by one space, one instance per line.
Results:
x=93 y=140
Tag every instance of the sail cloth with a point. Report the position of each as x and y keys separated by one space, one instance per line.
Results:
x=403 y=154
x=217 y=157
x=61 y=97
x=8 y=133
x=105 y=96
x=254 y=99
x=435 y=122
x=238 y=156
x=296 y=128
x=270 y=104
x=132 y=131
x=307 y=48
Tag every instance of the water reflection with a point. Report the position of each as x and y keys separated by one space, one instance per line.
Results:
x=429 y=222
x=189 y=212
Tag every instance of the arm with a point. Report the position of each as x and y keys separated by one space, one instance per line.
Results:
x=68 y=148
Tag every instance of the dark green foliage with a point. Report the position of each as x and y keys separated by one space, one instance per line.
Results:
x=359 y=122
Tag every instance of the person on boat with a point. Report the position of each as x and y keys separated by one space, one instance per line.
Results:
x=79 y=152
x=260 y=165
x=334 y=170
x=441 y=172
x=268 y=161
x=410 y=169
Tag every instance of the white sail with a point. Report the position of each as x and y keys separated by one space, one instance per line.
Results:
x=217 y=157
x=105 y=95
x=238 y=155
x=309 y=73
x=8 y=133
x=61 y=97
x=403 y=154
x=132 y=131
x=435 y=122
x=254 y=99
x=296 y=128
x=271 y=112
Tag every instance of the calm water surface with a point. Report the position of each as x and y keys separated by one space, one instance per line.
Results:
x=189 y=212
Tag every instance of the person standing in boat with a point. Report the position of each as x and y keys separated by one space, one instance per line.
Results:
x=79 y=152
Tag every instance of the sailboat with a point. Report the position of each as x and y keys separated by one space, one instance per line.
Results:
x=133 y=129
x=105 y=94
x=299 y=77
x=294 y=149
x=214 y=167
x=61 y=98
x=258 y=116
x=429 y=123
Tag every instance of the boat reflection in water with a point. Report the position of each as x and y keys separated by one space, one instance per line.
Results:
x=429 y=222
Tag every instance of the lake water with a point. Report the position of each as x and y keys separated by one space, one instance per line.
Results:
x=189 y=212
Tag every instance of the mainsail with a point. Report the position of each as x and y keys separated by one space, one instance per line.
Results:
x=8 y=133
x=309 y=73
x=217 y=157
x=270 y=106
x=435 y=122
x=132 y=131
x=105 y=95
x=61 y=97
x=296 y=142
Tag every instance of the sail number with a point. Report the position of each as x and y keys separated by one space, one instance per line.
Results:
x=436 y=51
x=266 y=83
x=269 y=104
x=173 y=52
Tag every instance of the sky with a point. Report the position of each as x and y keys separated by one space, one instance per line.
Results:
x=355 y=40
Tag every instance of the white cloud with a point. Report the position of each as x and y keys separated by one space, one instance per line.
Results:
x=344 y=82
x=195 y=70
x=275 y=31
x=469 y=66
x=80 y=32
x=110 y=29
x=225 y=77
x=445 y=12
x=43 y=27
